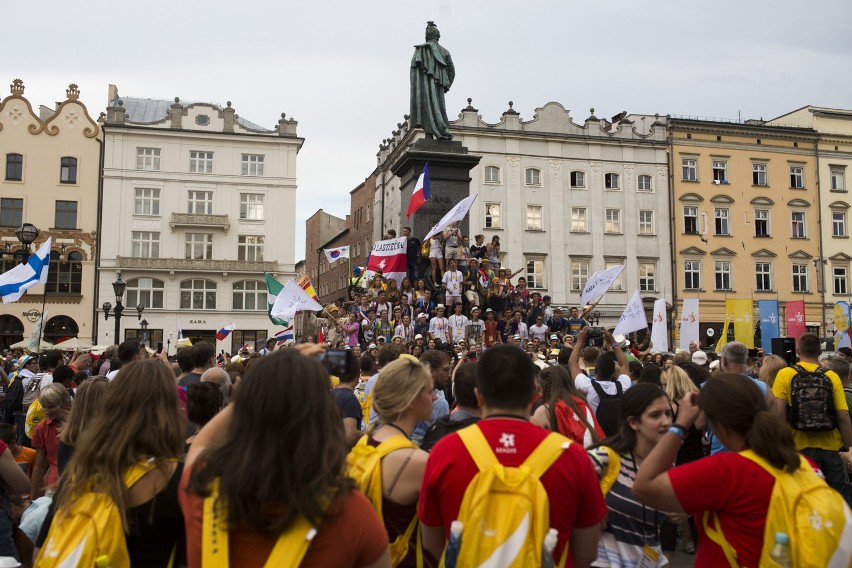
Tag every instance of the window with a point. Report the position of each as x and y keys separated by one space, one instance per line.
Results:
x=838 y=223
x=840 y=283
x=838 y=179
x=251 y=206
x=492 y=216
x=148 y=159
x=722 y=272
x=252 y=165
x=618 y=284
x=146 y=201
x=690 y=220
x=198 y=294
x=199 y=246
x=613 y=221
x=647 y=276
x=578 y=179
x=145 y=244
x=579 y=274
x=692 y=274
x=535 y=273
x=199 y=202
x=250 y=247
x=800 y=278
x=145 y=291
x=798 y=224
x=492 y=174
x=720 y=171
x=761 y=223
x=66 y=215
x=722 y=217
x=579 y=220
x=11 y=212
x=643 y=183
x=758 y=174
x=14 y=167
x=201 y=162
x=611 y=181
x=646 y=222
x=249 y=295
x=763 y=272
x=68 y=170
x=797 y=177
x=534 y=218
x=65 y=277
x=690 y=169
x=533 y=176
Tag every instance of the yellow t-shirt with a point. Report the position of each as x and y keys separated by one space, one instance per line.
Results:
x=831 y=440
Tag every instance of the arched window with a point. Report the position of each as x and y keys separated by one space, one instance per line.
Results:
x=644 y=183
x=532 y=176
x=249 y=295
x=198 y=294
x=492 y=174
x=60 y=328
x=11 y=330
x=145 y=291
x=65 y=277
x=68 y=170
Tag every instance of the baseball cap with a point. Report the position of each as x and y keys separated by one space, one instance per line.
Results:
x=372 y=346
x=418 y=336
x=516 y=336
x=421 y=315
x=474 y=308
x=440 y=307
x=699 y=358
x=554 y=336
x=489 y=310
x=23 y=361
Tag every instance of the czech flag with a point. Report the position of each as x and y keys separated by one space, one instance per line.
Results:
x=336 y=253
x=421 y=192
x=223 y=333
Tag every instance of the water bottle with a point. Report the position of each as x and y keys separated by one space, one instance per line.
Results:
x=781 y=551
x=547 y=560
x=451 y=555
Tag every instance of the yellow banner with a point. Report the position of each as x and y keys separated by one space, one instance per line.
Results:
x=740 y=313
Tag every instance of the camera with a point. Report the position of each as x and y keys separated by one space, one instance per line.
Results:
x=595 y=336
x=340 y=363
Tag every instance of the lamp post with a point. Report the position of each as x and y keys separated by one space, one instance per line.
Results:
x=26 y=234
x=118 y=288
x=144 y=325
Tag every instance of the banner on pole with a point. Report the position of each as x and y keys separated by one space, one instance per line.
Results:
x=795 y=312
x=659 y=329
x=689 y=324
x=770 y=323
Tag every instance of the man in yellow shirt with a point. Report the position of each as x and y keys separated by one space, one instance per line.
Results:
x=821 y=427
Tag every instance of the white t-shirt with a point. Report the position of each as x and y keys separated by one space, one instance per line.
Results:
x=453 y=281
x=438 y=328
x=539 y=332
x=584 y=383
x=457 y=326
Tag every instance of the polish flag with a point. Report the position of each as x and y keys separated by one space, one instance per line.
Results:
x=421 y=192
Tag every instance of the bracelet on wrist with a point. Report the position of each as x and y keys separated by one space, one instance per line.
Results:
x=678 y=431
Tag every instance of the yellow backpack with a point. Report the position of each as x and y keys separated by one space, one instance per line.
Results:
x=289 y=549
x=814 y=516
x=35 y=414
x=364 y=465
x=505 y=512
x=91 y=533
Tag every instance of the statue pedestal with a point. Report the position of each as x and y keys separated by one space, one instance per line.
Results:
x=449 y=173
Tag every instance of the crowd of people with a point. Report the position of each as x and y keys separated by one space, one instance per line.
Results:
x=421 y=450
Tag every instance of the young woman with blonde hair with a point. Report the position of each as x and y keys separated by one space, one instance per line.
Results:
x=770 y=367
x=86 y=404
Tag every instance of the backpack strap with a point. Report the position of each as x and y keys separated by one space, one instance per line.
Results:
x=137 y=471
x=603 y=394
x=714 y=533
x=478 y=447
x=546 y=453
x=609 y=477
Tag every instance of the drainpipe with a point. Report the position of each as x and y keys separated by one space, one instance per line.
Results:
x=672 y=228
x=98 y=240
x=820 y=258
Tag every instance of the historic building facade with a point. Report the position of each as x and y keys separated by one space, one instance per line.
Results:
x=52 y=170
x=746 y=218
x=198 y=203
x=566 y=199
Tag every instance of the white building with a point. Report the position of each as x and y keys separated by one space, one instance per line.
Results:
x=197 y=204
x=566 y=199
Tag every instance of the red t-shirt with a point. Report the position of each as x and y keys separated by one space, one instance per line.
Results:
x=738 y=490
x=354 y=536
x=46 y=435
x=571 y=484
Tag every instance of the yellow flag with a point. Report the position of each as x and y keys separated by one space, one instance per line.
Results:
x=740 y=313
x=723 y=337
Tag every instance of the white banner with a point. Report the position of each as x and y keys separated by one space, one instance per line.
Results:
x=633 y=318
x=454 y=215
x=659 y=330
x=293 y=299
x=36 y=334
x=689 y=328
x=598 y=284
x=389 y=256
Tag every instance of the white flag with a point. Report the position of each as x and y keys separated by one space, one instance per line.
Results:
x=659 y=329
x=35 y=335
x=599 y=283
x=454 y=215
x=689 y=325
x=293 y=299
x=633 y=318
x=334 y=254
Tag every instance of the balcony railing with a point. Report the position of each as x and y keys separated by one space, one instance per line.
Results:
x=195 y=220
x=187 y=264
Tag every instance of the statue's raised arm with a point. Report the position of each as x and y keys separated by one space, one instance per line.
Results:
x=432 y=74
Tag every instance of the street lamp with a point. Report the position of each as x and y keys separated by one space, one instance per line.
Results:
x=118 y=288
x=144 y=325
x=26 y=234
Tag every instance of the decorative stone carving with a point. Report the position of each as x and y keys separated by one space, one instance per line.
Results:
x=513 y=161
x=193 y=264
x=198 y=220
x=146 y=224
x=662 y=171
x=555 y=165
x=252 y=228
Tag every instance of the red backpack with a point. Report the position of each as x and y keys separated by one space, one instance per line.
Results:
x=573 y=426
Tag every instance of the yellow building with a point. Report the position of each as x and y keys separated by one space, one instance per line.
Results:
x=51 y=181
x=746 y=219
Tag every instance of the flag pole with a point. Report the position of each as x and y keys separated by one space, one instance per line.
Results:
x=43 y=302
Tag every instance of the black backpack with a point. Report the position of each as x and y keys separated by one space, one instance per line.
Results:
x=811 y=401
x=442 y=427
x=14 y=397
x=609 y=408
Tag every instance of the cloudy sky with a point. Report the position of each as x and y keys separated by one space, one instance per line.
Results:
x=341 y=68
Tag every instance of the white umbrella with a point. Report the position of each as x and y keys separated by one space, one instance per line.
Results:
x=25 y=344
x=73 y=344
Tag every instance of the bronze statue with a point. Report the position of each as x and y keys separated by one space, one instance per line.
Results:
x=432 y=74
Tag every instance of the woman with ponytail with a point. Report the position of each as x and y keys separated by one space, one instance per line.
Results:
x=736 y=488
x=565 y=409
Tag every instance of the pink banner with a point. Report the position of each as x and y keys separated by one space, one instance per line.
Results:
x=795 y=319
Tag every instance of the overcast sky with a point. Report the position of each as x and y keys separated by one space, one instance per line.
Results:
x=341 y=68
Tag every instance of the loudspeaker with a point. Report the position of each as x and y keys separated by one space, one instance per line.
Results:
x=785 y=347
